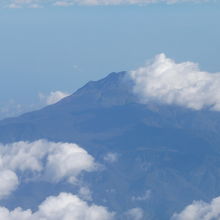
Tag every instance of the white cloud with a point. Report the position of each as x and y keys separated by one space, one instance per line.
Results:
x=53 y=97
x=66 y=161
x=111 y=157
x=38 y=3
x=21 y=3
x=65 y=206
x=54 y=162
x=51 y=161
x=17 y=214
x=135 y=214
x=145 y=196
x=182 y=84
x=8 y=182
x=63 y=4
x=200 y=210
x=85 y=193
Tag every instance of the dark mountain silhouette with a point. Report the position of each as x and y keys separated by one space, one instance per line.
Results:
x=168 y=156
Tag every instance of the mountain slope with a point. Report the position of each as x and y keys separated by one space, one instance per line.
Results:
x=167 y=156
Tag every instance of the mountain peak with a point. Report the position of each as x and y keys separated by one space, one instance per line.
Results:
x=114 y=89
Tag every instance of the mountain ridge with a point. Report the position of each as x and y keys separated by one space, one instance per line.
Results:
x=170 y=150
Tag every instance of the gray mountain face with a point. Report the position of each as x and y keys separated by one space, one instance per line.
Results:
x=167 y=156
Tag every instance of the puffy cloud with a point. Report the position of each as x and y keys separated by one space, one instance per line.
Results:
x=38 y=3
x=111 y=157
x=17 y=214
x=184 y=84
x=52 y=161
x=200 y=210
x=135 y=214
x=53 y=97
x=8 y=182
x=24 y=156
x=64 y=206
x=66 y=161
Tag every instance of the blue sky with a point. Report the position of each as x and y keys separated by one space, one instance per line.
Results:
x=61 y=48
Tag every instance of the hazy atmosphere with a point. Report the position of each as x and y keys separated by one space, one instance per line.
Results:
x=55 y=48
x=109 y=110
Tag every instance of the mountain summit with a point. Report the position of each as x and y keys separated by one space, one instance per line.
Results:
x=165 y=156
x=113 y=90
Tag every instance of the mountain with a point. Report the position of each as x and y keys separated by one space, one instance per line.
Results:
x=167 y=156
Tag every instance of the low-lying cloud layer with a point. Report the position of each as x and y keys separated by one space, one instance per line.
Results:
x=64 y=206
x=200 y=210
x=184 y=84
x=52 y=162
x=66 y=3
x=49 y=161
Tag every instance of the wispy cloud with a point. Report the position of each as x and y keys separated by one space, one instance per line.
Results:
x=111 y=157
x=85 y=193
x=146 y=195
x=184 y=84
x=13 y=109
x=66 y=3
x=22 y=3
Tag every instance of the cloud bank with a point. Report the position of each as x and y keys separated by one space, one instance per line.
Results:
x=52 y=162
x=65 y=3
x=64 y=206
x=184 y=84
x=49 y=161
x=200 y=210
